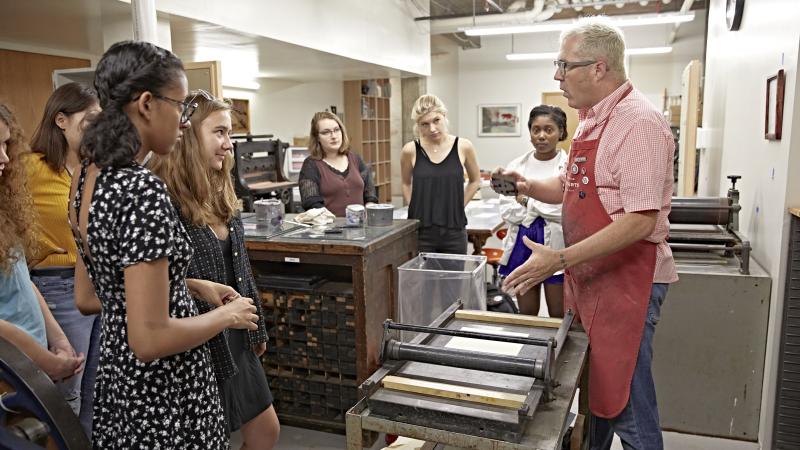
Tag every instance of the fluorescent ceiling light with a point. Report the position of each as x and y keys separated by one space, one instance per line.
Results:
x=531 y=56
x=648 y=51
x=552 y=56
x=559 y=25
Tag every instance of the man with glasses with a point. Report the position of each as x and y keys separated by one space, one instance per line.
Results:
x=616 y=193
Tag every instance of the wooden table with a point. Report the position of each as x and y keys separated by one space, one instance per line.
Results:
x=483 y=220
x=364 y=261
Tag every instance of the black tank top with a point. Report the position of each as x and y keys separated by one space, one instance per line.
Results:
x=437 y=190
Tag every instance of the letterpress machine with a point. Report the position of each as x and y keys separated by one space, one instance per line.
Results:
x=705 y=230
x=473 y=379
x=259 y=170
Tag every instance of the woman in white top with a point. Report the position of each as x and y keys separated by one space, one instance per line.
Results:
x=540 y=222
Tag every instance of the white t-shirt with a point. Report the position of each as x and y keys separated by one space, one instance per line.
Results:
x=515 y=214
x=530 y=167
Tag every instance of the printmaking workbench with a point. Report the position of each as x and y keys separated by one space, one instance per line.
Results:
x=443 y=386
x=325 y=297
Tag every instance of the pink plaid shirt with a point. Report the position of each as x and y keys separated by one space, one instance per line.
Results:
x=634 y=164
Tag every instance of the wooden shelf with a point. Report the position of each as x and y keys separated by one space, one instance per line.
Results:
x=367 y=118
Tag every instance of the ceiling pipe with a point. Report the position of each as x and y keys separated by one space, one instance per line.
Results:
x=495 y=6
x=452 y=25
x=145 y=21
x=687 y=5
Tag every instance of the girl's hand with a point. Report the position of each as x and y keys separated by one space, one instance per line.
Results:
x=210 y=292
x=242 y=313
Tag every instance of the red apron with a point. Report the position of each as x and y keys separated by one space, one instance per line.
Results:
x=610 y=295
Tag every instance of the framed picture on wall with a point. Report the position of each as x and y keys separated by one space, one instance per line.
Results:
x=773 y=121
x=240 y=115
x=499 y=120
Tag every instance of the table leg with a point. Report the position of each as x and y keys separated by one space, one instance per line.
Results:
x=354 y=432
x=477 y=243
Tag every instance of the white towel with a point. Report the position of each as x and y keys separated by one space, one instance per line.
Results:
x=316 y=216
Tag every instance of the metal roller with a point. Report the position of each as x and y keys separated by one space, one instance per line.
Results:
x=511 y=365
x=702 y=210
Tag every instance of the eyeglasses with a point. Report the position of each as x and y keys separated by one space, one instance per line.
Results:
x=565 y=66
x=328 y=133
x=200 y=93
x=187 y=108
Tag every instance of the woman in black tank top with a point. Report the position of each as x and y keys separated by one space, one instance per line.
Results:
x=432 y=169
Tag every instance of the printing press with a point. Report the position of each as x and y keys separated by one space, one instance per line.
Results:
x=33 y=412
x=705 y=231
x=473 y=379
x=720 y=304
x=258 y=172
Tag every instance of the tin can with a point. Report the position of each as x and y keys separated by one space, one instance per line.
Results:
x=269 y=212
x=380 y=215
x=354 y=215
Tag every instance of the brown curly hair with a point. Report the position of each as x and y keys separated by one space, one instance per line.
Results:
x=16 y=208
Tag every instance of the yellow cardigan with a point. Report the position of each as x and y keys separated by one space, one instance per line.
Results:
x=50 y=192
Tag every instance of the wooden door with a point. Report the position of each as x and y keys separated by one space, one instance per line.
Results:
x=558 y=99
x=26 y=82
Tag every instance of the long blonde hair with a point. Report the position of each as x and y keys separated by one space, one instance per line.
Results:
x=203 y=195
x=16 y=205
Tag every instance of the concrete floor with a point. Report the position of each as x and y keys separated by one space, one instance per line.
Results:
x=301 y=439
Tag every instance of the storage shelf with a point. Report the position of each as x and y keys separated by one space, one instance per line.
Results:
x=367 y=118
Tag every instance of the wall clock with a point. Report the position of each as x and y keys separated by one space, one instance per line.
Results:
x=733 y=13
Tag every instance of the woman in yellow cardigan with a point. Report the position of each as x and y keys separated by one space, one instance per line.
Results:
x=55 y=156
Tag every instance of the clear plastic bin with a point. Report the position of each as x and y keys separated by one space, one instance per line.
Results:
x=431 y=282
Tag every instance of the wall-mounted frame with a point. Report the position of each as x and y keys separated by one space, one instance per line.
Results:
x=773 y=120
x=240 y=115
x=206 y=75
x=499 y=120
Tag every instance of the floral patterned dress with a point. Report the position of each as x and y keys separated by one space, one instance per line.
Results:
x=170 y=402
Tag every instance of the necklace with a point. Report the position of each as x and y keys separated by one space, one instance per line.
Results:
x=435 y=147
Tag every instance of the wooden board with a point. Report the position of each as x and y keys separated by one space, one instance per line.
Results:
x=512 y=319
x=687 y=147
x=453 y=391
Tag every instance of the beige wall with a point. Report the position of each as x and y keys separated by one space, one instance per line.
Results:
x=737 y=66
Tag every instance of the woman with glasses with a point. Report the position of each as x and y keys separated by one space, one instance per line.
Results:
x=55 y=157
x=197 y=175
x=154 y=386
x=432 y=169
x=333 y=176
x=538 y=221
